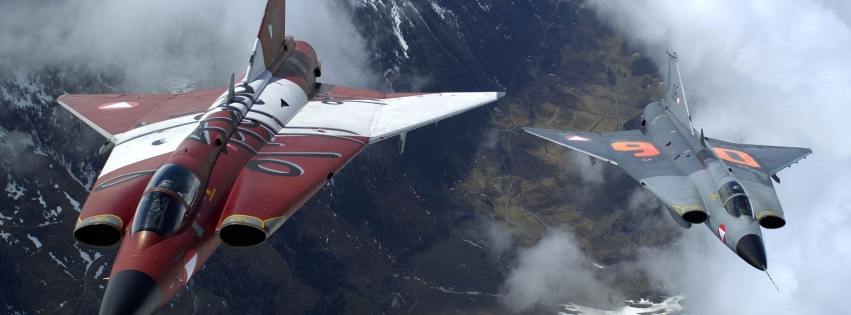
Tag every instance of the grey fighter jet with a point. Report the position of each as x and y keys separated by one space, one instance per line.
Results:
x=727 y=186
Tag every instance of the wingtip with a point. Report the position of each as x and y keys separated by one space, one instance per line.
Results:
x=500 y=95
x=534 y=131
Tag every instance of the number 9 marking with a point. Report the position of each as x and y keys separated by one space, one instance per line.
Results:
x=647 y=149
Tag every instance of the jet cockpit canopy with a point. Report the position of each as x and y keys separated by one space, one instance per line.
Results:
x=735 y=200
x=168 y=195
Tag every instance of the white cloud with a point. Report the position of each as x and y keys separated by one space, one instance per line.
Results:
x=579 y=165
x=554 y=271
x=203 y=40
x=765 y=72
x=498 y=237
x=342 y=50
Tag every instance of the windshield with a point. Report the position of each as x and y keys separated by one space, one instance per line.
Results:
x=735 y=200
x=167 y=197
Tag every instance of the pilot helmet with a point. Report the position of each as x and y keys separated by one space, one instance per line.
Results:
x=737 y=188
x=167 y=185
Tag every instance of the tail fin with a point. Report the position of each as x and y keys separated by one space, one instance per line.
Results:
x=675 y=99
x=272 y=46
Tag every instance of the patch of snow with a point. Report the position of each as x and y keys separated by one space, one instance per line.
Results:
x=3 y=218
x=415 y=193
x=396 y=14
x=450 y=291
x=666 y=307
x=40 y=200
x=35 y=241
x=51 y=215
x=30 y=90
x=177 y=83
x=484 y=6
x=99 y=272
x=86 y=257
x=440 y=10
x=474 y=244
x=38 y=151
x=398 y=300
x=58 y=262
x=446 y=15
x=89 y=172
x=13 y=189
x=74 y=203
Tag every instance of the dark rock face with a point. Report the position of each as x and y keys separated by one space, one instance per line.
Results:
x=358 y=245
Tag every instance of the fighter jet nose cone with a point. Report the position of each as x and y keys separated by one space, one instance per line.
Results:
x=131 y=292
x=752 y=250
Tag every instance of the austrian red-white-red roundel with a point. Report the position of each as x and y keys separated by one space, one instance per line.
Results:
x=118 y=105
x=191 y=258
x=722 y=233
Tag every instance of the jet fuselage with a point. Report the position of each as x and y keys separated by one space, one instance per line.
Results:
x=184 y=176
x=729 y=212
x=174 y=228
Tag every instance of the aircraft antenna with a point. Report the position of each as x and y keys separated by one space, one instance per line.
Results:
x=231 y=92
x=772 y=280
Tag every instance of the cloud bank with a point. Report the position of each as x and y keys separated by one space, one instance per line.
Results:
x=765 y=72
x=201 y=40
x=553 y=271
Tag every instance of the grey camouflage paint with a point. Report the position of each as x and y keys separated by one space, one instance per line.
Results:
x=687 y=171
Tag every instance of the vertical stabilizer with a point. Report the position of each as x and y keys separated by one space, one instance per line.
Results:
x=272 y=46
x=675 y=98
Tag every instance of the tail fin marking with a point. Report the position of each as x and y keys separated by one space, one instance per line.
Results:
x=272 y=46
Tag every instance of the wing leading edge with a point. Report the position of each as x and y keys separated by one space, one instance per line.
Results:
x=344 y=111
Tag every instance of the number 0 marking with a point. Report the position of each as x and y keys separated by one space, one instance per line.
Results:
x=739 y=157
x=646 y=148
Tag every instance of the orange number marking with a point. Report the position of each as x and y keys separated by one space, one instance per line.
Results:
x=739 y=157
x=646 y=148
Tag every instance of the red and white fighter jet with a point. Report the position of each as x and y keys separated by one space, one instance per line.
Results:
x=185 y=175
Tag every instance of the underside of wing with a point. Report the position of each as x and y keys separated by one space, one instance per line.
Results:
x=112 y=114
x=758 y=158
x=343 y=111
